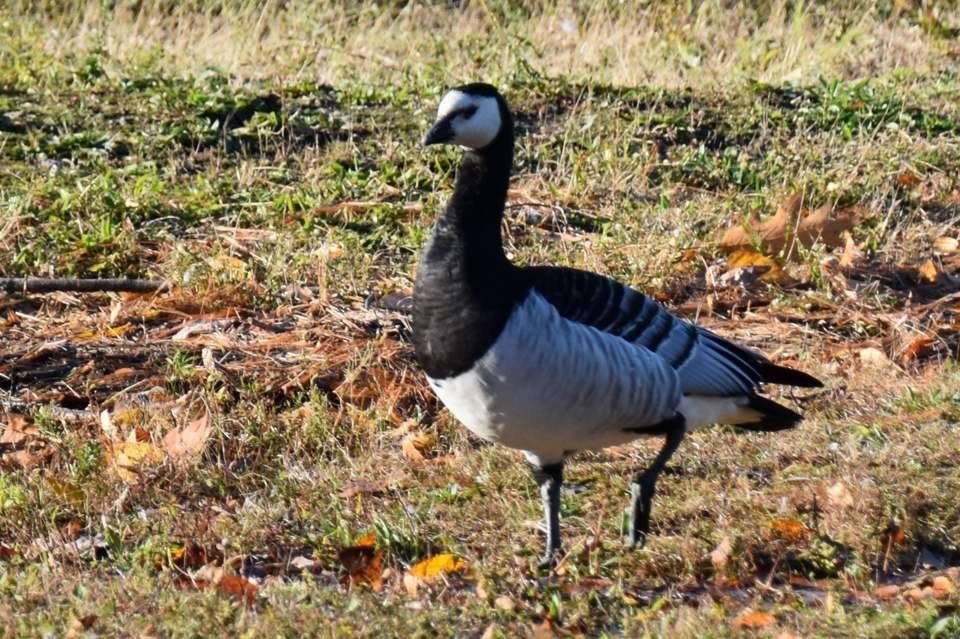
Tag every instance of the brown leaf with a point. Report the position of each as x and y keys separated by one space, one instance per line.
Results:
x=720 y=555
x=928 y=272
x=890 y=591
x=792 y=223
x=363 y=563
x=416 y=446
x=361 y=487
x=754 y=620
x=21 y=445
x=850 y=251
x=186 y=442
x=839 y=496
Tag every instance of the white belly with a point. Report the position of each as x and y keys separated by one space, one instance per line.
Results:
x=550 y=386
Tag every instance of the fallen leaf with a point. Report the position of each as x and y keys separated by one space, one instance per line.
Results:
x=929 y=272
x=129 y=459
x=789 y=529
x=411 y=584
x=240 y=588
x=874 y=357
x=908 y=179
x=792 y=223
x=911 y=352
x=21 y=445
x=850 y=251
x=839 y=496
x=772 y=271
x=186 y=442
x=916 y=594
x=79 y=626
x=503 y=602
x=946 y=244
x=363 y=563
x=416 y=446
x=361 y=487
x=942 y=587
x=720 y=555
x=754 y=620
x=890 y=591
x=432 y=567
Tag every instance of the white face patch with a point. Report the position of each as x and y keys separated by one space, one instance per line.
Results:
x=471 y=131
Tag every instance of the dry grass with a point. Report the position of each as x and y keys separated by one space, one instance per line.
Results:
x=697 y=45
x=200 y=145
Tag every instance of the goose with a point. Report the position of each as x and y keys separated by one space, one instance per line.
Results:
x=552 y=360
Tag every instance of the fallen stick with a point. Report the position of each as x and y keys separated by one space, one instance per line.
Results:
x=12 y=285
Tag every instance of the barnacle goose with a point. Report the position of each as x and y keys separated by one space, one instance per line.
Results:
x=552 y=360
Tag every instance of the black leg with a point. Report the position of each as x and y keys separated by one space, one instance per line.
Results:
x=549 y=478
x=645 y=483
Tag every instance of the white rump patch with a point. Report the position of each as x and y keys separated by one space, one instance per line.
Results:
x=477 y=130
x=701 y=410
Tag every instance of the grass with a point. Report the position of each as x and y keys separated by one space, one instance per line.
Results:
x=264 y=159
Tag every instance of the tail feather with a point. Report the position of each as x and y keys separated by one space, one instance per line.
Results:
x=774 y=416
x=773 y=374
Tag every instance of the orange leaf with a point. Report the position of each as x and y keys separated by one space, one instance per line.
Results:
x=432 y=567
x=942 y=587
x=754 y=620
x=929 y=272
x=789 y=529
x=890 y=591
x=745 y=258
x=415 y=447
x=911 y=352
x=908 y=179
x=243 y=590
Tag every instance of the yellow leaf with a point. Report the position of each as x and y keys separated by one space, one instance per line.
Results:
x=437 y=565
x=65 y=490
x=946 y=244
x=229 y=265
x=119 y=331
x=929 y=272
x=128 y=459
x=744 y=258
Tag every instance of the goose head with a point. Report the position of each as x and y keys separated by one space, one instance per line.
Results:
x=472 y=116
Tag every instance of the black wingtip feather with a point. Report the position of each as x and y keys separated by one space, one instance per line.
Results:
x=773 y=374
x=776 y=416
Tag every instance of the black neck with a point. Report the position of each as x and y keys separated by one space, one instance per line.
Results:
x=466 y=288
